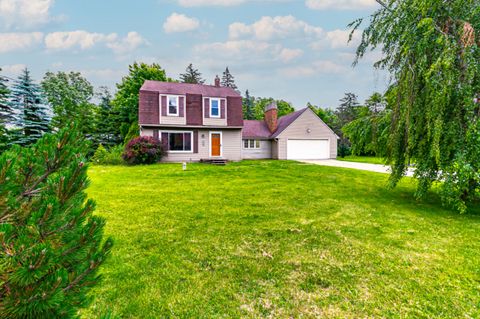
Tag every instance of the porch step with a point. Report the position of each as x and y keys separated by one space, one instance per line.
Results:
x=214 y=161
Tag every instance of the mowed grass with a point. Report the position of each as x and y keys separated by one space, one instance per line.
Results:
x=282 y=240
x=363 y=159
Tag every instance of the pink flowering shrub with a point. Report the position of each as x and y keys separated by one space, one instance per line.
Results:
x=143 y=150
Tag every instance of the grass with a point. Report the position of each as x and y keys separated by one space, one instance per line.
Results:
x=279 y=239
x=362 y=159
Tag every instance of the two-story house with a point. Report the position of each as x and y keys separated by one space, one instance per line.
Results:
x=205 y=122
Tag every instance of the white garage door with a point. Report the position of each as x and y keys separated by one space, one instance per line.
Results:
x=308 y=149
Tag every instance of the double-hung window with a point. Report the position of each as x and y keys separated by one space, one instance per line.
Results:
x=180 y=141
x=172 y=105
x=214 y=107
x=251 y=144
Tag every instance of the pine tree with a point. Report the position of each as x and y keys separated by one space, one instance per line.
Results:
x=248 y=107
x=108 y=133
x=191 y=75
x=52 y=244
x=228 y=80
x=347 y=110
x=26 y=99
x=6 y=112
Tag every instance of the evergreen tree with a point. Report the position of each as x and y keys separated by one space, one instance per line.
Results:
x=191 y=75
x=31 y=113
x=348 y=108
x=107 y=132
x=248 y=107
x=6 y=112
x=52 y=244
x=228 y=80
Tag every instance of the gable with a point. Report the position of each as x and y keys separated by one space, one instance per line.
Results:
x=308 y=121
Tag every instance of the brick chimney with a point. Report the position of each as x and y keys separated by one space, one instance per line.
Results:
x=271 y=114
x=217 y=81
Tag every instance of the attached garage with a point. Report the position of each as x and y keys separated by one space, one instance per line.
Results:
x=308 y=149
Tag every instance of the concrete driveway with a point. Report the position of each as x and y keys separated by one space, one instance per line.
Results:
x=378 y=168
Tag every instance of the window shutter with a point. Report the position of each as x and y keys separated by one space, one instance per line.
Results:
x=222 y=108
x=206 y=112
x=165 y=141
x=155 y=134
x=195 y=142
x=181 y=106
x=164 y=105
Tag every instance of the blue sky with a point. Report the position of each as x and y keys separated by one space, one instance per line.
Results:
x=294 y=50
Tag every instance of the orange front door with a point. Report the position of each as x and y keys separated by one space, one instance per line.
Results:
x=215 y=144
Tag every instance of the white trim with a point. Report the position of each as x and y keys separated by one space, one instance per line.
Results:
x=210 y=143
x=219 y=108
x=168 y=105
x=192 y=142
x=251 y=148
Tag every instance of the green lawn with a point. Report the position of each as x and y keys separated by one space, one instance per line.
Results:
x=282 y=240
x=362 y=159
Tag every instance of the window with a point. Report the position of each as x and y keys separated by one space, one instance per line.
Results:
x=172 y=105
x=180 y=142
x=214 y=107
x=251 y=144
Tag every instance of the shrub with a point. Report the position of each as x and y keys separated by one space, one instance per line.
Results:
x=113 y=156
x=343 y=150
x=143 y=150
x=51 y=243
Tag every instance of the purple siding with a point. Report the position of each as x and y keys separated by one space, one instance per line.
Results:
x=148 y=108
x=194 y=109
x=164 y=106
x=195 y=141
x=235 y=113
x=165 y=141
x=181 y=106
x=222 y=109
x=206 y=111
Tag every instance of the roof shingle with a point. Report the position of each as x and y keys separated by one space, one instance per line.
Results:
x=188 y=88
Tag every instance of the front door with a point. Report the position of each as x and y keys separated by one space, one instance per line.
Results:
x=215 y=140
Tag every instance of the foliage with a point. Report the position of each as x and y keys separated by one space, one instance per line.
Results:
x=247 y=107
x=228 y=80
x=52 y=245
x=107 y=131
x=143 y=150
x=70 y=97
x=369 y=132
x=112 y=156
x=133 y=132
x=260 y=103
x=431 y=49
x=191 y=75
x=6 y=112
x=126 y=99
x=239 y=241
x=27 y=100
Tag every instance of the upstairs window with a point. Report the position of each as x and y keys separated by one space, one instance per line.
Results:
x=214 y=107
x=172 y=105
x=251 y=144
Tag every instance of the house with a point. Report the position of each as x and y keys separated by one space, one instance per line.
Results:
x=203 y=122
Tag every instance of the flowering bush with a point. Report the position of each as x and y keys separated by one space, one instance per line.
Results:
x=143 y=150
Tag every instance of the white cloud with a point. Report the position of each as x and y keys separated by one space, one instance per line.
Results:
x=25 y=13
x=338 y=39
x=200 y=3
x=84 y=40
x=13 y=69
x=317 y=67
x=340 y=4
x=238 y=48
x=287 y=55
x=180 y=23
x=268 y=28
x=19 y=41
x=130 y=43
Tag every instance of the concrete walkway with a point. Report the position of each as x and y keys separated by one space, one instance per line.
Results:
x=378 y=168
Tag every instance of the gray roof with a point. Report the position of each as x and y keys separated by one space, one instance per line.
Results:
x=188 y=88
x=259 y=129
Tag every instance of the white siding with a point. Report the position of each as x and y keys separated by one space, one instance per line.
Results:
x=299 y=130
x=214 y=121
x=175 y=120
x=265 y=151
